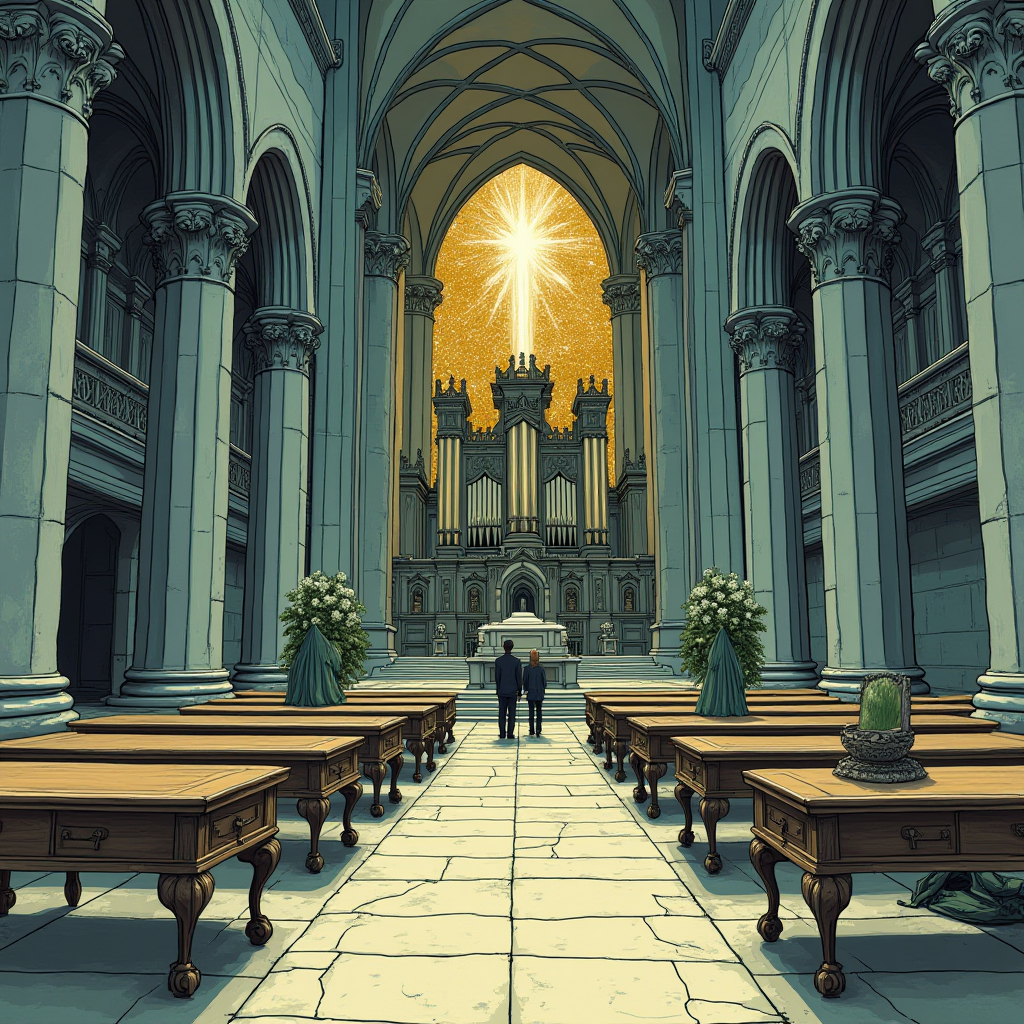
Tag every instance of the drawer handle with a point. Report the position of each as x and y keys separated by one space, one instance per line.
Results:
x=913 y=836
x=239 y=823
x=783 y=824
x=95 y=837
x=1018 y=829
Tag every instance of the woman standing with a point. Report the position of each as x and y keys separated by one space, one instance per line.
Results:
x=535 y=682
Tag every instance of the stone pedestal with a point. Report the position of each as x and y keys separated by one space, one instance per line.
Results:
x=527 y=632
x=974 y=50
x=768 y=341
x=847 y=237
x=195 y=239
x=55 y=56
x=282 y=342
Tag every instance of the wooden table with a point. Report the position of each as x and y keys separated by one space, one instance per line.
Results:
x=178 y=820
x=713 y=767
x=317 y=766
x=651 y=748
x=381 y=746
x=419 y=731
x=958 y=819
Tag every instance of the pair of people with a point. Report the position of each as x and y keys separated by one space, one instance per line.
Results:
x=511 y=678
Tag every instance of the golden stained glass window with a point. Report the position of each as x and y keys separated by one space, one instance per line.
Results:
x=522 y=266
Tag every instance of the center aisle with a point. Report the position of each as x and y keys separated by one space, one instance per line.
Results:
x=517 y=888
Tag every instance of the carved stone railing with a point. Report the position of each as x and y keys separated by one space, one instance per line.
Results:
x=239 y=471
x=810 y=473
x=937 y=394
x=107 y=393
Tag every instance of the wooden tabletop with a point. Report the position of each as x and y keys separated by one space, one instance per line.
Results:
x=248 y=724
x=239 y=709
x=625 y=700
x=837 y=710
x=966 y=786
x=188 y=787
x=808 y=724
x=228 y=702
x=720 y=748
x=106 y=746
x=695 y=692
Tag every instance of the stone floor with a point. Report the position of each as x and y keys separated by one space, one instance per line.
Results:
x=517 y=884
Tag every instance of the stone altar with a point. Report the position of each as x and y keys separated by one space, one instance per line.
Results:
x=526 y=632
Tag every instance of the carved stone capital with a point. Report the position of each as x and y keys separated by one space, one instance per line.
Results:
x=56 y=49
x=660 y=252
x=386 y=255
x=192 y=234
x=975 y=51
x=849 y=233
x=368 y=196
x=105 y=246
x=423 y=295
x=621 y=293
x=766 y=338
x=282 y=339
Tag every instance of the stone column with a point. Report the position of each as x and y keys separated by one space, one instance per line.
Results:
x=660 y=255
x=948 y=290
x=282 y=342
x=104 y=247
x=621 y=294
x=975 y=50
x=178 y=658
x=386 y=258
x=422 y=297
x=54 y=58
x=135 y=354
x=768 y=340
x=848 y=237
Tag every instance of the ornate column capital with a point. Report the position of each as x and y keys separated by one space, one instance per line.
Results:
x=195 y=235
x=660 y=252
x=59 y=50
x=766 y=338
x=621 y=293
x=848 y=233
x=423 y=295
x=368 y=196
x=280 y=338
x=975 y=51
x=105 y=246
x=386 y=255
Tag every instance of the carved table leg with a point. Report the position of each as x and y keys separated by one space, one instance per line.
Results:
x=451 y=725
x=827 y=896
x=375 y=771
x=72 y=888
x=395 y=794
x=654 y=771
x=621 y=746
x=764 y=858
x=684 y=795
x=713 y=810
x=263 y=859
x=639 y=790
x=8 y=897
x=352 y=792
x=415 y=747
x=599 y=741
x=590 y=735
x=609 y=751
x=431 y=764
x=441 y=731
x=186 y=897
x=315 y=811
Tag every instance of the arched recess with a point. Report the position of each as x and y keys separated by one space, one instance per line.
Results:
x=526 y=577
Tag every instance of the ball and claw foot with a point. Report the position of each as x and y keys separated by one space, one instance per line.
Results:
x=653 y=812
x=377 y=811
x=184 y=980
x=639 y=794
x=830 y=981
x=395 y=796
x=620 y=775
x=258 y=930
x=712 y=863
x=314 y=863
x=769 y=927
x=686 y=837
x=349 y=837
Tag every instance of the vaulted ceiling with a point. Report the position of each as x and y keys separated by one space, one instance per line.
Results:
x=454 y=92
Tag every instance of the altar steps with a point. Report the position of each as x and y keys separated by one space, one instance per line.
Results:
x=482 y=706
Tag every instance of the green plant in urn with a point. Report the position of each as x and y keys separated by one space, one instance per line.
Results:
x=881 y=705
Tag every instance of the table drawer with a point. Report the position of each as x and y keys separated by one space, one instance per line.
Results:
x=232 y=825
x=24 y=833
x=910 y=835
x=994 y=832
x=689 y=770
x=788 y=824
x=109 y=835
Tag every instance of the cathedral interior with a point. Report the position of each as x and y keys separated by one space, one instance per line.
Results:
x=504 y=306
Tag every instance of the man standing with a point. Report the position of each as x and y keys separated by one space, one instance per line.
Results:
x=508 y=674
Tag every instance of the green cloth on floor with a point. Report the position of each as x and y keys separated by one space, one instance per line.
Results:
x=980 y=897
x=313 y=676
x=722 y=695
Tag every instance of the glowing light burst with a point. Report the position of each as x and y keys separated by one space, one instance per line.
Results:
x=522 y=266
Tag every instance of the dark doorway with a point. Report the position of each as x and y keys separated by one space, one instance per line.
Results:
x=85 y=638
x=523 y=600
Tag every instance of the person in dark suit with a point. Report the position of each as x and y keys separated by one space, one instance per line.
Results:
x=535 y=682
x=508 y=675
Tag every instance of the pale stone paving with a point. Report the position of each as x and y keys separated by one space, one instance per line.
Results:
x=518 y=885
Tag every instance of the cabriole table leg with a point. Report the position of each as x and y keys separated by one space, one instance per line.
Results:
x=712 y=811
x=654 y=770
x=186 y=897
x=621 y=746
x=263 y=859
x=639 y=790
x=8 y=897
x=352 y=792
x=375 y=772
x=764 y=858
x=72 y=888
x=415 y=747
x=684 y=795
x=827 y=896
x=395 y=794
x=315 y=811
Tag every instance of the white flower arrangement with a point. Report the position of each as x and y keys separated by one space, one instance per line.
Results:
x=723 y=600
x=327 y=603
